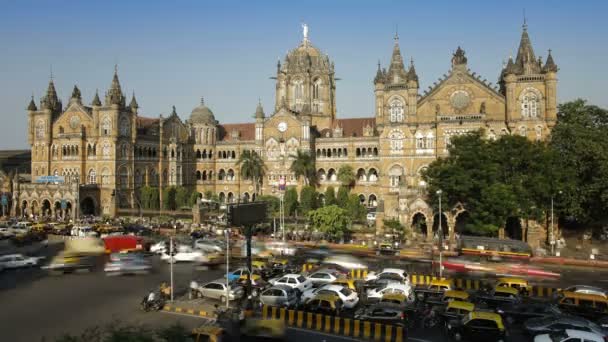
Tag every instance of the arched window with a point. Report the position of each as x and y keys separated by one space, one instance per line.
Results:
x=40 y=129
x=198 y=175
x=396 y=140
x=395 y=176
x=106 y=149
x=429 y=141
x=124 y=178
x=316 y=96
x=221 y=175
x=419 y=141
x=523 y=131
x=298 y=93
x=106 y=126
x=230 y=175
x=92 y=176
x=396 y=111
x=529 y=105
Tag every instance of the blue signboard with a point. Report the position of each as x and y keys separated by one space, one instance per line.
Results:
x=50 y=179
x=4 y=200
x=64 y=204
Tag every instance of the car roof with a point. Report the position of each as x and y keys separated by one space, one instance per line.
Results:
x=291 y=275
x=512 y=280
x=458 y=304
x=332 y=287
x=588 y=296
x=456 y=294
x=395 y=296
x=326 y=296
x=282 y=287
x=393 y=270
x=485 y=315
x=444 y=282
x=584 y=335
x=397 y=285
x=506 y=289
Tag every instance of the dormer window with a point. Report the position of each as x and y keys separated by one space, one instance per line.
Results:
x=234 y=135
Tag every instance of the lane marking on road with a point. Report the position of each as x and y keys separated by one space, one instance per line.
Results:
x=309 y=331
x=418 y=339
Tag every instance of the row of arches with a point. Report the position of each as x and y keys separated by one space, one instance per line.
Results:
x=366 y=152
x=332 y=152
x=230 y=197
x=204 y=175
x=370 y=175
x=224 y=175
x=204 y=154
x=422 y=225
x=145 y=152
x=226 y=155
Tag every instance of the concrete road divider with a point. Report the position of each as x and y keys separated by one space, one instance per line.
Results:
x=194 y=312
x=336 y=325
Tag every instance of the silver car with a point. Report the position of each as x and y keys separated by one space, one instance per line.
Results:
x=217 y=290
x=279 y=296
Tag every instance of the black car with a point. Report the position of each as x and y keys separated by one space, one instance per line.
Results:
x=546 y=325
x=518 y=312
x=477 y=326
x=383 y=313
x=497 y=297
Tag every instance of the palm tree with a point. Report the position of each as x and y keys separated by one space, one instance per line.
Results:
x=304 y=165
x=252 y=167
x=346 y=175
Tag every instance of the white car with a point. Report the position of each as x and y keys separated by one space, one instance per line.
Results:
x=389 y=272
x=323 y=277
x=281 y=248
x=349 y=297
x=345 y=261
x=207 y=246
x=159 y=247
x=569 y=335
x=295 y=281
x=17 y=261
x=390 y=288
x=189 y=256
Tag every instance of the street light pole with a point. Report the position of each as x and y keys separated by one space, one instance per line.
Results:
x=439 y=192
x=172 y=260
x=227 y=266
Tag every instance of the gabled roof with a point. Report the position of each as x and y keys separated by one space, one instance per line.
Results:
x=474 y=78
x=353 y=127
x=246 y=131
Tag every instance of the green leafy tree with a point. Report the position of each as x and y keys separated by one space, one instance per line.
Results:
x=330 y=196
x=272 y=204
x=331 y=220
x=194 y=196
x=309 y=199
x=169 y=202
x=154 y=198
x=355 y=209
x=290 y=201
x=209 y=195
x=342 y=198
x=303 y=165
x=182 y=197
x=346 y=176
x=252 y=167
x=394 y=226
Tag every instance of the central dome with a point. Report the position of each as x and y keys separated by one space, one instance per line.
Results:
x=306 y=57
x=202 y=115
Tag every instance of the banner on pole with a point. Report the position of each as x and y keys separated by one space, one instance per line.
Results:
x=282 y=183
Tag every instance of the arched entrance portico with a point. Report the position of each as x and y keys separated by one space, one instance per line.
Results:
x=46 y=208
x=513 y=228
x=461 y=221
x=444 y=225
x=87 y=206
x=419 y=224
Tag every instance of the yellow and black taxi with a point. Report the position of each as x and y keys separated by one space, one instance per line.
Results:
x=500 y=295
x=346 y=282
x=520 y=284
x=395 y=299
x=386 y=248
x=209 y=333
x=434 y=291
x=263 y=330
x=328 y=304
x=386 y=313
x=477 y=326
x=457 y=309
x=452 y=295
x=590 y=306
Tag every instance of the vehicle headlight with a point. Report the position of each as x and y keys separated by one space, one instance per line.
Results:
x=449 y=326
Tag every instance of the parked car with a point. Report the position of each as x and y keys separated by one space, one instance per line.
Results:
x=570 y=335
x=325 y=304
x=376 y=294
x=585 y=289
x=396 y=272
x=349 y=298
x=477 y=326
x=559 y=323
x=590 y=306
x=382 y=313
x=500 y=295
x=323 y=277
x=380 y=282
x=279 y=295
x=519 y=284
x=457 y=310
x=12 y=261
x=217 y=290
x=295 y=281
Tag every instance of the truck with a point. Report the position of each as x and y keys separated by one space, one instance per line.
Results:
x=78 y=255
x=123 y=243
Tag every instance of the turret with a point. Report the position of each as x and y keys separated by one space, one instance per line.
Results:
x=396 y=71
x=133 y=105
x=96 y=102
x=51 y=101
x=459 y=60
x=32 y=106
x=525 y=62
x=76 y=96
x=259 y=122
x=114 y=96
x=550 y=70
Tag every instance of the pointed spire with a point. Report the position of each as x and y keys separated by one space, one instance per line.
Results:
x=133 y=103
x=379 y=75
x=259 y=111
x=76 y=95
x=51 y=100
x=396 y=71
x=96 y=102
x=550 y=65
x=526 y=60
x=114 y=95
x=510 y=68
x=411 y=74
x=32 y=106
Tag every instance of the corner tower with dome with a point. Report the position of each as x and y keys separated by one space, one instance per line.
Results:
x=109 y=151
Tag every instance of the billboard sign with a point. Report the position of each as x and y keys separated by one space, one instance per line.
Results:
x=50 y=179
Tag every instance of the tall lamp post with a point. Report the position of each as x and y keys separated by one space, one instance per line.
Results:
x=440 y=231
x=552 y=233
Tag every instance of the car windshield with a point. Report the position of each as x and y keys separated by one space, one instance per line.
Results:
x=301 y=279
x=558 y=336
x=346 y=291
x=546 y=320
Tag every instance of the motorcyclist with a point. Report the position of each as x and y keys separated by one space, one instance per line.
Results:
x=165 y=291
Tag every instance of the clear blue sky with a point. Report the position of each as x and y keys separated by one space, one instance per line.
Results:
x=174 y=52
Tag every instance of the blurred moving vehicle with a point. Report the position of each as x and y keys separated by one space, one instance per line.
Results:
x=81 y=254
x=585 y=289
x=387 y=248
x=119 y=243
x=13 y=261
x=397 y=272
x=184 y=254
x=346 y=261
x=152 y=302
x=208 y=246
x=376 y=294
x=159 y=247
x=279 y=295
x=570 y=335
x=520 y=312
x=281 y=248
x=559 y=323
x=131 y=263
x=263 y=330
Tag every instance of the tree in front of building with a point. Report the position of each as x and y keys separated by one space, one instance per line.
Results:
x=330 y=196
x=394 y=226
x=252 y=168
x=303 y=165
x=194 y=196
x=290 y=201
x=342 y=198
x=169 y=201
x=182 y=197
x=209 y=195
x=356 y=210
x=309 y=199
x=330 y=220
x=272 y=204
x=346 y=176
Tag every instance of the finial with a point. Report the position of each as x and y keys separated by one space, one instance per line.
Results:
x=202 y=100
x=412 y=61
x=115 y=68
x=396 y=33
x=525 y=26
x=305 y=31
x=259 y=101
x=51 y=72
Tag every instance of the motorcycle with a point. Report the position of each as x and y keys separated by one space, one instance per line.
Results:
x=155 y=305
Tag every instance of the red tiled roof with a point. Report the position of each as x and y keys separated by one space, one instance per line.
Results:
x=354 y=127
x=143 y=122
x=246 y=131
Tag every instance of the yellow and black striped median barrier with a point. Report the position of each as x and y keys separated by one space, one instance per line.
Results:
x=336 y=325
